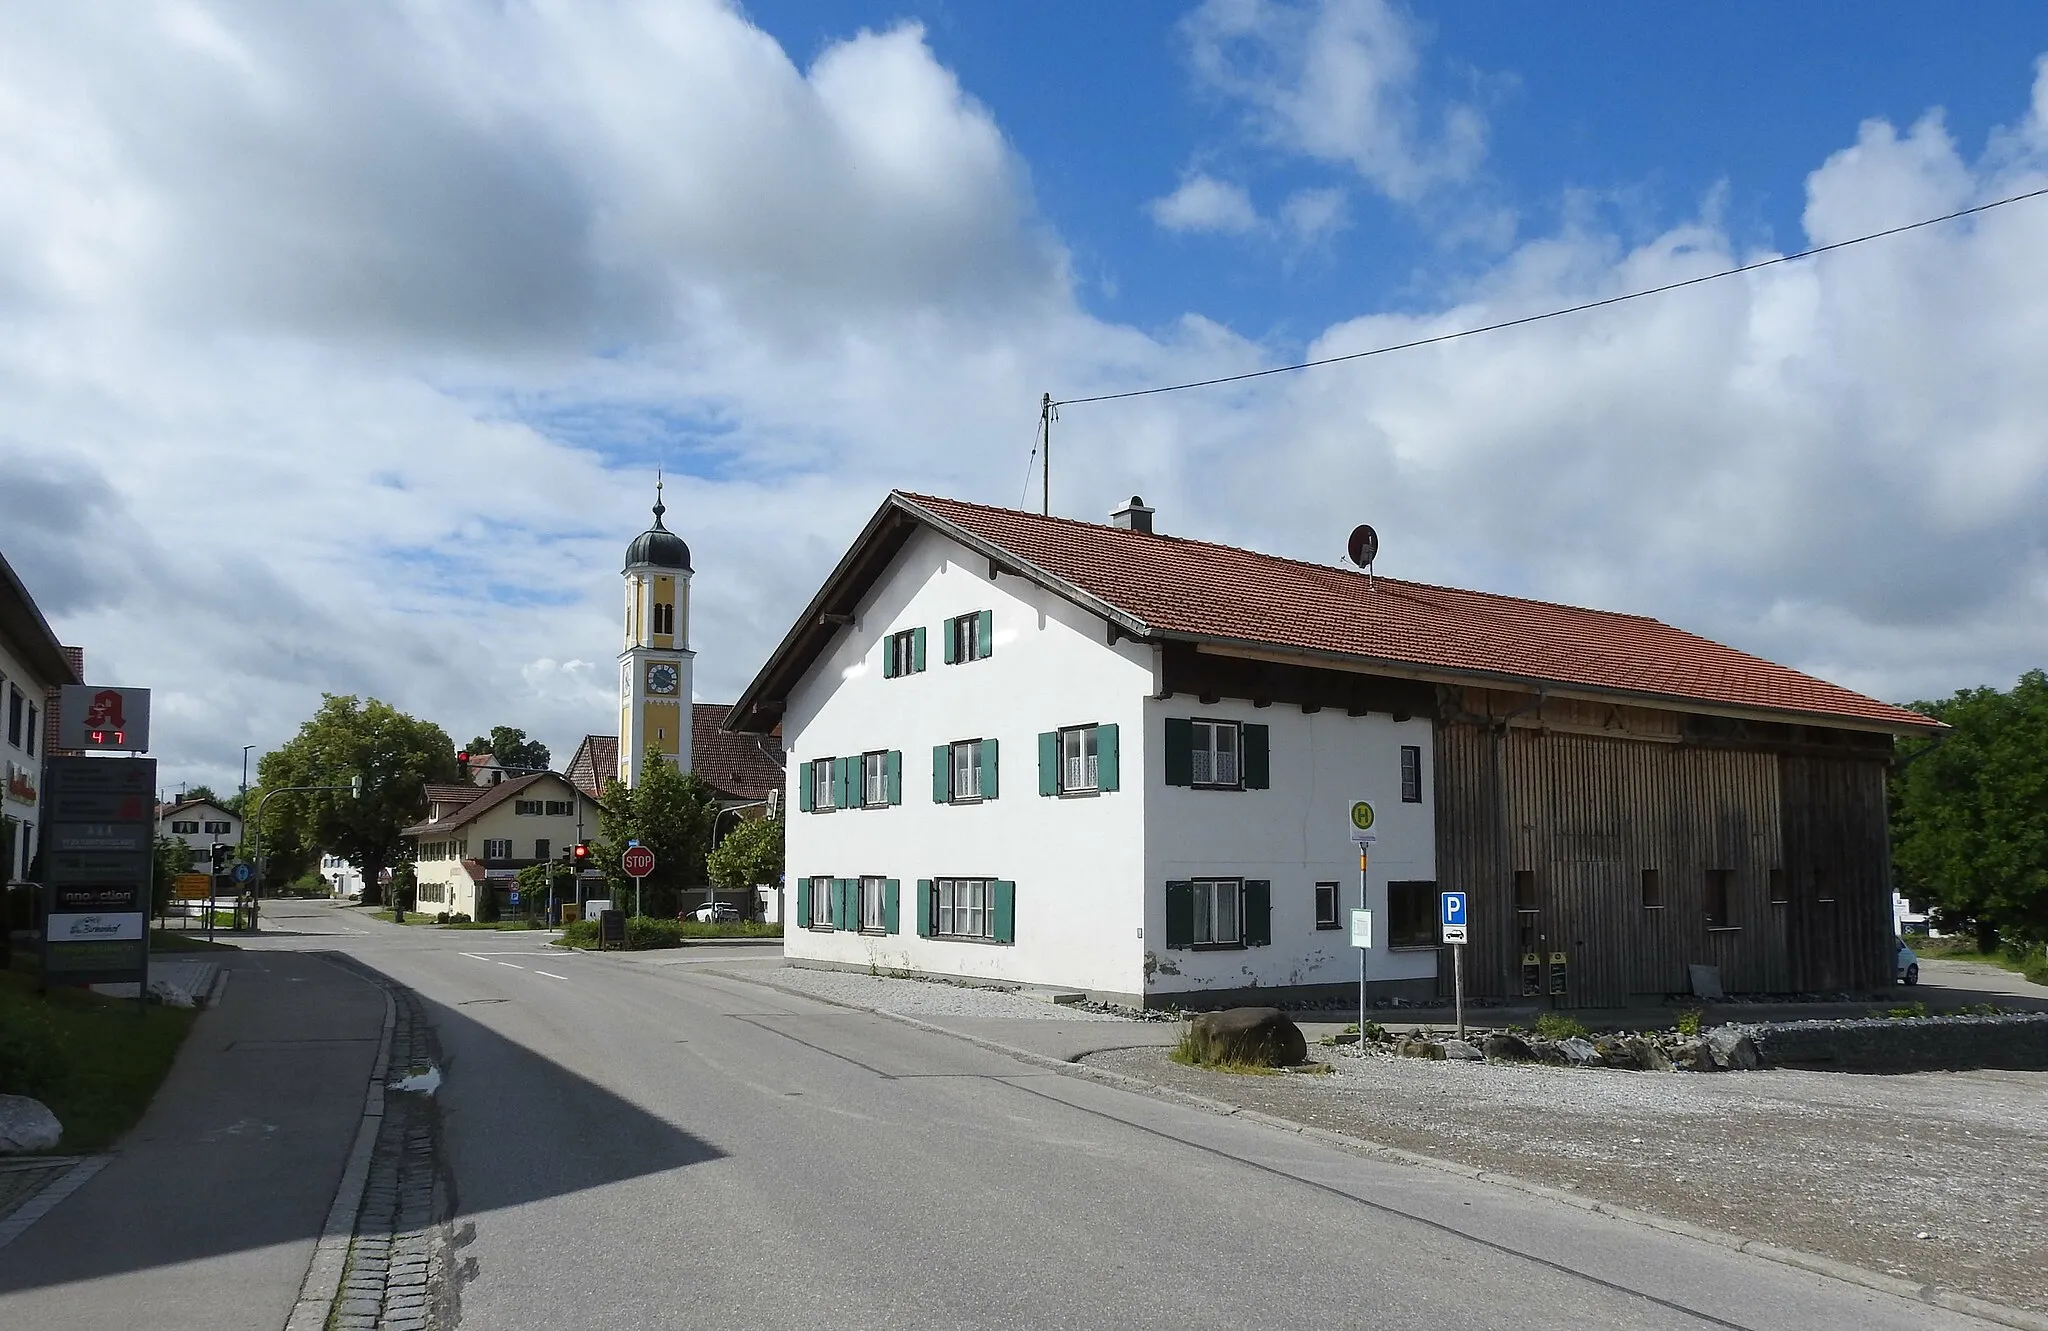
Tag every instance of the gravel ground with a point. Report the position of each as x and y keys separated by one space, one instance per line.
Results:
x=1941 y=1177
x=920 y=998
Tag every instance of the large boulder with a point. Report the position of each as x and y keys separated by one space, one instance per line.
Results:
x=1260 y=1035
x=1731 y=1049
x=27 y=1125
x=1580 y=1051
x=1416 y=1047
x=1507 y=1048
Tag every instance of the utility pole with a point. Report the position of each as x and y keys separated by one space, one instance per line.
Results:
x=1045 y=415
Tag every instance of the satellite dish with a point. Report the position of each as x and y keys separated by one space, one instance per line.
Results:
x=1364 y=546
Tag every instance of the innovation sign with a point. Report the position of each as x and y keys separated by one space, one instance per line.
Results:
x=96 y=870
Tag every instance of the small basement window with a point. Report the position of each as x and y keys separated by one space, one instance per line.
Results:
x=1326 y=906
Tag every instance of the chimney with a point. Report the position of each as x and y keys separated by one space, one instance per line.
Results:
x=1133 y=516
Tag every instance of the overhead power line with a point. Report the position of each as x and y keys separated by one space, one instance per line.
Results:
x=1547 y=314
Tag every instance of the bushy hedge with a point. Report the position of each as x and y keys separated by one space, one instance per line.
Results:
x=642 y=933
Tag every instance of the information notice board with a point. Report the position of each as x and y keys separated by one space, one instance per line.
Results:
x=98 y=834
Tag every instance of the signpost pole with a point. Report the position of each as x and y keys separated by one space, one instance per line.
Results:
x=1458 y=982
x=1364 y=903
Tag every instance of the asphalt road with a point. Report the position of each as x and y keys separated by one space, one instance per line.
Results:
x=638 y=1143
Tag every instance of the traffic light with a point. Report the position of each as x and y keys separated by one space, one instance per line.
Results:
x=462 y=763
x=220 y=857
x=579 y=855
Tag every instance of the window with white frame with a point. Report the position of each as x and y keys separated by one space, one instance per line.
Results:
x=28 y=741
x=966 y=770
x=526 y=807
x=495 y=849
x=821 y=904
x=1326 y=906
x=184 y=827
x=559 y=808
x=902 y=656
x=872 y=892
x=1219 y=910
x=874 y=780
x=1411 y=774
x=967 y=637
x=1080 y=758
x=216 y=827
x=664 y=618
x=1215 y=753
x=963 y=908
x=15 y=703
x=821 y=785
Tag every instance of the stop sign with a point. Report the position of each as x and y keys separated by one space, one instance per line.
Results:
x=638 y=861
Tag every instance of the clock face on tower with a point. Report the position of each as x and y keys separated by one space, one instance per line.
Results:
x=662 y=678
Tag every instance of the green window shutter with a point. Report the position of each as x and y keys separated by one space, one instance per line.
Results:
x=1180 y=914
x=803 y=787
x=803 y=903
x=988 y=769
x=917 y=648
x=952 y=642
x=1108 y=772
x=942 y=773
x=985 y=634
x=1258 y=912
x=924 y=908
x=849 y=903
x=891 y=919
x=1180 y=754
x=842 y=783
x=894 y=765
x=1005 y=908
x=1048 y=762
x=1258 y=762
x=888 y=658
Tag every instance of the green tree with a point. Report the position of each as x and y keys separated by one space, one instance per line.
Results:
x=750 y=854
x=542 y=882
x=510 y=746
x=1970 y=813
x=393 y=754
x=172 y=858
x=670 y=813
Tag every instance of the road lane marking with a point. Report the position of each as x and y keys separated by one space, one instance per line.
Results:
x=551 y=975
x=513 y=964
x=473 y=956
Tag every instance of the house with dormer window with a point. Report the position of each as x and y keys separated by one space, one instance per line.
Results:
x=1126 y=767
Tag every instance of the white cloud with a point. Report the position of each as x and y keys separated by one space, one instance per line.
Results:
x=1314 y=214
x=1204 y=203
x=339 y=346
x=1335 y=80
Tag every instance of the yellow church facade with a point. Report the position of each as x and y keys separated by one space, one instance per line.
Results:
x=655 y=664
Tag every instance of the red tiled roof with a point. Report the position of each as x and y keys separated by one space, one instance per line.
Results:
x=452 y=793
x=596 y=762
x=745 y=767
x=487 y=798
x=1205 y=591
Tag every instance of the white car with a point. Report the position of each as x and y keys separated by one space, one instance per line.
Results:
x=713 y=914
x=1905 y=966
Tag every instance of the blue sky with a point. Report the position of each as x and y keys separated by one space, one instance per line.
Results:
x=341 y=343
x=1642 y=109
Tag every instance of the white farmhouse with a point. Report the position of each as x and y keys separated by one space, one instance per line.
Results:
x=991 y=778
x=201 y=825
x=1031 y=749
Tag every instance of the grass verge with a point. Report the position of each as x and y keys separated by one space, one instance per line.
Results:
x=2032 y=965
x=111 y=1059
x=411 y=917
x=643 y=932
x=177 y=940
x=520 y=925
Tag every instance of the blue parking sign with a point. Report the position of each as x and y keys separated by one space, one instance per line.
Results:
x=1454 y=918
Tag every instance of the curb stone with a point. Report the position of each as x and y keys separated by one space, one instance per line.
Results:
x=1813 y=1263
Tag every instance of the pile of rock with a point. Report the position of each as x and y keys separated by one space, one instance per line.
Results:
x=1724 y=1048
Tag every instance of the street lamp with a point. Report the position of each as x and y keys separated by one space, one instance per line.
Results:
x=355 y=790
x=245 y=769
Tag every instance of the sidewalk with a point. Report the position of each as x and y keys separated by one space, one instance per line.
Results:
x=207 y=1212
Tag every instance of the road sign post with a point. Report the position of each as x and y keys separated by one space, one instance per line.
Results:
x=1361 y=938
x=1362 y=817
x=638 y=862
x=1455 y=927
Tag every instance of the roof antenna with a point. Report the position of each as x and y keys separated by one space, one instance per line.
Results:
x=1364 y=547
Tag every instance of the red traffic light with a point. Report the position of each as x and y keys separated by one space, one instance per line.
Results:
x=581 y=852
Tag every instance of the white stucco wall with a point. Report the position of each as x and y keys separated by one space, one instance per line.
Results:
x=1076 y=861
x=1294 y=834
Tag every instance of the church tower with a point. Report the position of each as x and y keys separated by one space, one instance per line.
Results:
x=655 y=667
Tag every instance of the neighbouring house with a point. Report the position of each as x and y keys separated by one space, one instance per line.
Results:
x=1052 y=752
x=743 y=768
x=476 y=839
x=33 y=666
x=343 y=878
x=201 y=825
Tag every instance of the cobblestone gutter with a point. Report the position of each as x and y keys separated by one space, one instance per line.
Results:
x=401 y=1273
